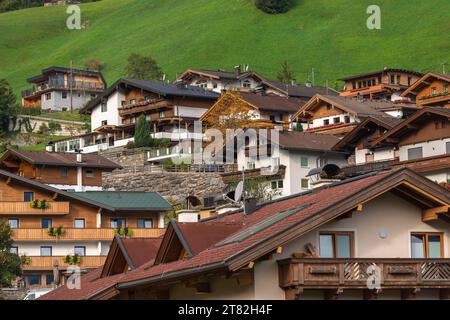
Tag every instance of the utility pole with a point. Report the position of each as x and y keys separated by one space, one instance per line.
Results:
x=312 y=76
x=443 y=67
x=70 y=86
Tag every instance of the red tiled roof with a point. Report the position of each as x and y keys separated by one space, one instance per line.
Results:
x=217 y=256
x=141 y=250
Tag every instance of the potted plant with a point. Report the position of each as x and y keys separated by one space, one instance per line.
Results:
x=72 y=260
x=39 y=204
x=56 y=232
x=123 y=232
x=25 y=260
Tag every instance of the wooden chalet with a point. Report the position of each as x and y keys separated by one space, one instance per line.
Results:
x=381 y=84
x=321 y=244
x=430 y=90
x=53 y=229
x=67 y=171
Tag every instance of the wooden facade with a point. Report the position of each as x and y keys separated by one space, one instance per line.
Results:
x=430 y=90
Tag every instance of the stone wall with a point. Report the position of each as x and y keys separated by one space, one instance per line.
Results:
x=12 y=293
x=175 y=185
x=136 y=175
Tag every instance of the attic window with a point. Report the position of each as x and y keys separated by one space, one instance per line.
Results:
x=246 y=84
x=201 y=83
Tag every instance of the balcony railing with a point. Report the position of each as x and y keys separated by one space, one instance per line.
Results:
x=20 y=207
x=355 y=272
x=78 y=85
x=81 y=234
x=48 y=263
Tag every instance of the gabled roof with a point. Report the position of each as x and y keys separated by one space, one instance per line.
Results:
x=158 y=87
x=424 y=82
x=353 y=106
x=407 y=125
x=128 y=254
x=80 y=196
x=262 y=102
x=65 y=70
x=363 y=128
x=297 y=90
x=216 y=74
x=300 y=214
x=61 y=159
x=373 y=73
x=127 y=200
x=295 y=140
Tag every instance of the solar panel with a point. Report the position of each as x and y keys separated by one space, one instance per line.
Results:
x=262 y=225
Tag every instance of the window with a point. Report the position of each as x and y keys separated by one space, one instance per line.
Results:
x=347 y=119
x=427 y=245
x=104 y=122
x=46 y=251
x=277 y=184
x=415 y=153
x=336 y=244
x=304 y=162
x=118 y=223
x=133 y=101
x=304 y=183
x=13 y=223
x=64 y=172
x=48 y=96
x=326 y=122
x=89 y=173
x=64 y=95
x=392 y=79
x=447 y=147
x=145 y=223
x=433 y=90
x=78 y=223
x=79 y=250
x=49 y=279
x=246 y=84
x=46 y=223
x=28 y=196
x=208 y=202
x=147 y=98
x=336 y=120
x=201 y=83
x=161 y=114
x=353 y=84
x=14 y=250
x=409 y=81
x=34 y=279
x=93 y=96
x=148 y=117
x=398 y=79
x=104 y=107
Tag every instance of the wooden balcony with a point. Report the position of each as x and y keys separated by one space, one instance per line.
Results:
x=72 y=234
x=20 y=207
x=320 y=273
x=48 y=263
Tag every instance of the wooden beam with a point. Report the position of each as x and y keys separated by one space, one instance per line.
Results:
x=293 y=293
x=251 y=264
x=55 y=195
x=8 y=181
x=432 y=214
x=370 y=294
x=359 y=207
x=332 y=294
x=279 y=250
x=408 y=294
x=444 y=294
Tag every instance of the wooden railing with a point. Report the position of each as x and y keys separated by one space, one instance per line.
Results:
x=20 y=207
x=48 y=263
x=81 y=234
x=355 y=273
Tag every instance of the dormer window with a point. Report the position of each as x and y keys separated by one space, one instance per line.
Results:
x=246 y=84
x=201 y=83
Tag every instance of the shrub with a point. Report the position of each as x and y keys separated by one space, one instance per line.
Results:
x=142 y=136
x=54 y=126
x=130 y=145
x=43 y=129
x=167 y=164
x=274 y=6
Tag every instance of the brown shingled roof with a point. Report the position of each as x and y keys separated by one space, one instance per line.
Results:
x=64 y=159
x=272 y=102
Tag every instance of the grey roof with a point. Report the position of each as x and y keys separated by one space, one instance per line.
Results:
x=66 y=70
x=368 y=74
x=161 y=88
x=298 y=90
x=127 y=200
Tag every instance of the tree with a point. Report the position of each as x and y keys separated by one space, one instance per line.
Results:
x=8 y=107
x=93 y=64
x=9 y=262
x=142 y=136
x=142 y=68
x=285 y=75
x=274 y=6
x=258 y=188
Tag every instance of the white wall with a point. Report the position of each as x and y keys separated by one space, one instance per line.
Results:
x=430 y=148
x=112 y=113
x=319 y=121
x=60 y=248
x=189 y=111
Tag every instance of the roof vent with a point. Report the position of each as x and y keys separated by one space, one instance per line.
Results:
x=308 y=84
x=325 y=175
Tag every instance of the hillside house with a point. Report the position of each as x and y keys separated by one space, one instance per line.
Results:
x=431 y=90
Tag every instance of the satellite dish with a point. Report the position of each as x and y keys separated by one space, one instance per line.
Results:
x=238 y=191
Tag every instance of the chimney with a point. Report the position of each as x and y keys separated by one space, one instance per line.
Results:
x=250 y=205
x=237 y=69
x=79 y=157
x=188 y=215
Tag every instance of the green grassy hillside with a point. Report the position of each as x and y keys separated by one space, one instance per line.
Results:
x=328 y=35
